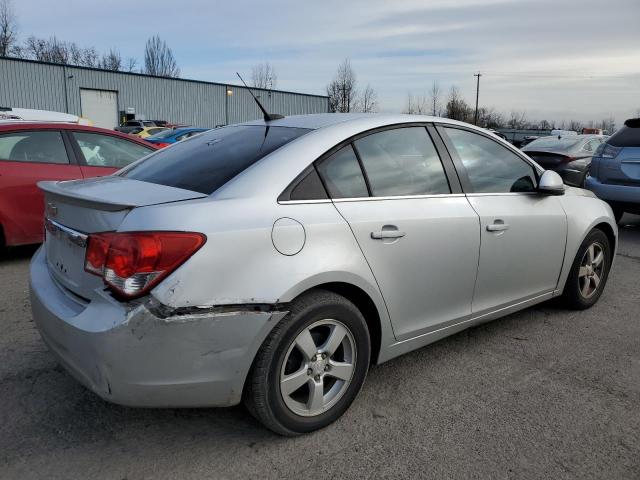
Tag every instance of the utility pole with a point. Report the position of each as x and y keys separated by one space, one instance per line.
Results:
x=475 y=117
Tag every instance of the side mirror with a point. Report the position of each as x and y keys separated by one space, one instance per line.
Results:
x=551 y=183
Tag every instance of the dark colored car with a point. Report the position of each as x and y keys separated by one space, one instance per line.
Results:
x=168 y=137
x=614 y=175
x=31 y=152
x=568 y=155
x=528 y=139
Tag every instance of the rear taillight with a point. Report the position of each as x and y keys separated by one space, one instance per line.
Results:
x=162 y=144
x=132 y=263
x=606 y=150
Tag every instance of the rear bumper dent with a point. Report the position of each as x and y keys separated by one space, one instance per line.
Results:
x=132 y=355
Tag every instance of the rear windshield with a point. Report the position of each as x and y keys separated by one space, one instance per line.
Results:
x=164 y=134
x=206 y=162
x=562 y=143
x=626 y=137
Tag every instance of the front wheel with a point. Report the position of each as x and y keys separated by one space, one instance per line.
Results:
x=311 y=367
x=589 y=272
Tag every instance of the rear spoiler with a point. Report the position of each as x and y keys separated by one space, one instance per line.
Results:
x=113 y=193
x=56 y=191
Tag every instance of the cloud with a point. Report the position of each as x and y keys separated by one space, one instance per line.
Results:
x=558 y=59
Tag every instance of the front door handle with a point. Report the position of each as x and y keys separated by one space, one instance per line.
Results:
x=384 y=234
x=497 y=226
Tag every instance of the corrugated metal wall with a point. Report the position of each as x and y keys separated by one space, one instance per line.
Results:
x=27 y=84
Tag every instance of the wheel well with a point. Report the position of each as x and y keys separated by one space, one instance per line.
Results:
x=367 y=307
x=608 y=231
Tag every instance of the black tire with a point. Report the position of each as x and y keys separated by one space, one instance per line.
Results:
x=572 y=296
x=262 y=394
x=617 y=212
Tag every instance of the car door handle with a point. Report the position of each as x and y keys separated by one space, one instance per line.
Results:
x=498 y=226
x=387 y=234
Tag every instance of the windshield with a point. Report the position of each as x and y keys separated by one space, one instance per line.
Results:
x=206 y=162
x=164 y=134
x=562 y=143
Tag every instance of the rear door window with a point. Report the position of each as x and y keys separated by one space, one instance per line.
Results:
x=210 y=160
x=45 y=146
x=342 y=174
x=402 y=161
x=109 y=151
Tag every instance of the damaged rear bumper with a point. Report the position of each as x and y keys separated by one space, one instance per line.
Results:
x=148 y=355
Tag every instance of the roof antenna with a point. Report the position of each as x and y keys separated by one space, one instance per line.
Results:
x=267 y=116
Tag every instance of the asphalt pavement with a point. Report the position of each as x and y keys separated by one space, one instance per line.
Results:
x=543 y=393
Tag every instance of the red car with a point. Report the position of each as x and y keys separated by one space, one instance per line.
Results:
x=30 y=152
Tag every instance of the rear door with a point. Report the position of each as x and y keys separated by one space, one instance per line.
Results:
x=102 y=154
x=523 y=233
x=26 y=157
x=418 y=233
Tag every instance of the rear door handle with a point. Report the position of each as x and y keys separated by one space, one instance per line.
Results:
x=387 y=234
x=497 y=226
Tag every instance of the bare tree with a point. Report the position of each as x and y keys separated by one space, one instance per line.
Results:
x=264 y=76
x=457 y=108
x=159 y=60
x=132 y=63
x=434 y=99
x=8 y=29
x=111 y=61
x=517 y=120
x=342 y=89
x=368 y=100
x=575 y=125
x=416 y=105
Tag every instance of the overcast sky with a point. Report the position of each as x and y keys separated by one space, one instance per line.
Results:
x=553 y=59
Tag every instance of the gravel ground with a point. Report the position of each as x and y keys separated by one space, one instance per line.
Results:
x=544 y=393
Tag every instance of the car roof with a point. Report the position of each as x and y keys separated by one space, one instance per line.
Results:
x=316 y=121
x=11 y=126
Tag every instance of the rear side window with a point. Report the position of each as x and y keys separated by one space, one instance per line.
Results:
x=107 y=151
x=208 y=161
x=402 y=161
x=34 y=147
x=342 y=174
x=626 y=136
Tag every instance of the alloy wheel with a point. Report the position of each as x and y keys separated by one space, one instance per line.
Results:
x=318 y=367
x=591 y=270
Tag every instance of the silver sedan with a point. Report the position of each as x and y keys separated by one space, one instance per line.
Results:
x=274 y=261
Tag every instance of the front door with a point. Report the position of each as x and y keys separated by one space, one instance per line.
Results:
x=523 y=233
x=420 y=240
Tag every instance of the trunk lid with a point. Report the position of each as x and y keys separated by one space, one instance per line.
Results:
x=549 y=159
x=77 y=208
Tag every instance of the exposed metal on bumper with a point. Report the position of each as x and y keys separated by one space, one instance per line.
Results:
x=129 y=355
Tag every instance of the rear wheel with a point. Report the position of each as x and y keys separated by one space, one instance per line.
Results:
x=589 y=271
x=311 y=367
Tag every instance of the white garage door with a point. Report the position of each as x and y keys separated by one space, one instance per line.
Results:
x=100 y=106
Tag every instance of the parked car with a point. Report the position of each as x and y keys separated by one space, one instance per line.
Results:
x=33 y=115
x=134 y=126
x=30 y=152
x=528 y=139
x=147 y=132
x=169 y=137
x=614 y=175
x=276 y=260
x=570 y=155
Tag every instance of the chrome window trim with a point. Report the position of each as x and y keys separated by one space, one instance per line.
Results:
x=298 y=202
x=397 y=197
x=499 y=194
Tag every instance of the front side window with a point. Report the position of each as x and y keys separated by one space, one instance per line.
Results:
x=210 y=160
x=35 y=147
x=402 y=161
x=107 y=151
x=491 y=167
x=342 y=175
